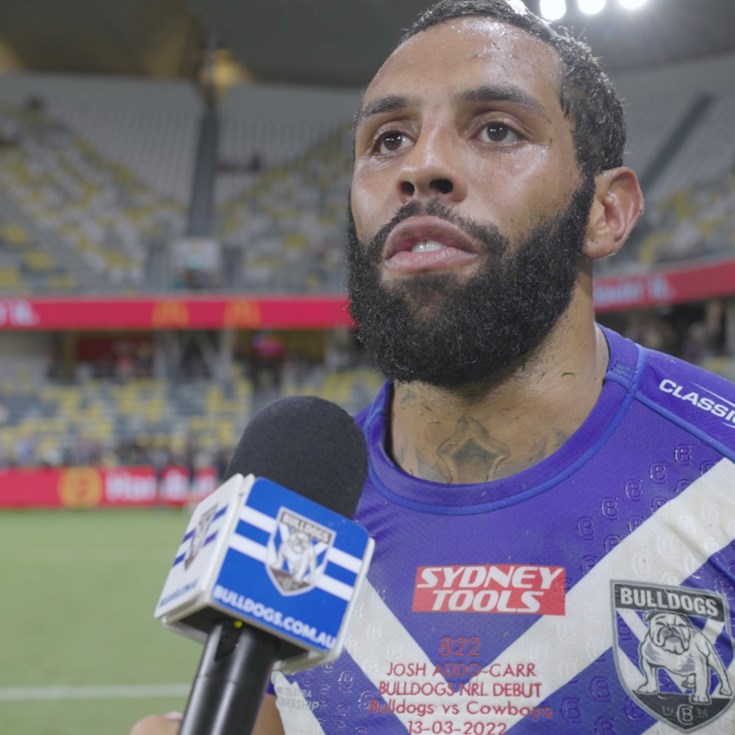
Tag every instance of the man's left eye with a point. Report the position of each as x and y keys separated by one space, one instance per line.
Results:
x=497 y=132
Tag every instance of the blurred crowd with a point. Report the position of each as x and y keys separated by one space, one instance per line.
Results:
x=27 y=452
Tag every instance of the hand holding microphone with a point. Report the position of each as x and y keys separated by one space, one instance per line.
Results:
x=269 y=567
x=158 y=725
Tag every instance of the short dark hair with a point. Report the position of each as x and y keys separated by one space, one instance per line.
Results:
x=587 y=95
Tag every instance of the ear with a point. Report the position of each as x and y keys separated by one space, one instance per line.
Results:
x=617 y=205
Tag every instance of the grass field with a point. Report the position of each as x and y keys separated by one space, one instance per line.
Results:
x=81 y=652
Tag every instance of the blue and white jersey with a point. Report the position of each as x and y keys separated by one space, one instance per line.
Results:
x=590 y=593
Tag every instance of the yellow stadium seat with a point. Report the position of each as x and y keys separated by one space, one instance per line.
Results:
x=14 y=234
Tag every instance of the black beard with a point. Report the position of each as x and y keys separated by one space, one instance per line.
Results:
x=437 y=329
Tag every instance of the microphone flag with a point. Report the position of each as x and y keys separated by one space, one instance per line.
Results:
x=258 y=553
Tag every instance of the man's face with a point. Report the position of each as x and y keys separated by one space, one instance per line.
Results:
x=468 y=212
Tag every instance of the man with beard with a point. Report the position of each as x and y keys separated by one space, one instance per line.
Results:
x=538 y=485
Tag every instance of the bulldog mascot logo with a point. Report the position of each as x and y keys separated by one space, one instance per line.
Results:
x=672 y=649
x=674 y=645
x=296 y=553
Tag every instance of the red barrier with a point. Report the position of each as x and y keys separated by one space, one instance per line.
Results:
x=99 y=312
x=91 y=487
x=665 y=285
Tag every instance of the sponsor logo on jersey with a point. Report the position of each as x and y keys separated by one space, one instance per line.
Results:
x=673 y=647
x=703 y=399
x=296 y=553
x=490 y=588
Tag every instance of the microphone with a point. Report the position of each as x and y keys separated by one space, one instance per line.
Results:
x=269 y=568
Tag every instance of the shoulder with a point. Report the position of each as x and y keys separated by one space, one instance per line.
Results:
x=688 y=394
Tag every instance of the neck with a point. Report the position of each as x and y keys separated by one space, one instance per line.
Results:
x=493 y=430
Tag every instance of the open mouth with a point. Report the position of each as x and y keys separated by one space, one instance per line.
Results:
x=428 y=243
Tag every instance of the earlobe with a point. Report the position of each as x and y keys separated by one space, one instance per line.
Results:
x=617 y=205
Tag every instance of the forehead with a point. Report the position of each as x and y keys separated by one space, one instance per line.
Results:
x=463 y=52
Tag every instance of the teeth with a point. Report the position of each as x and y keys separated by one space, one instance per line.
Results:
x=427 y=246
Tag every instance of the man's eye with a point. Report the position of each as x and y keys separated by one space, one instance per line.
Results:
x=390 y=142
x=497 y=132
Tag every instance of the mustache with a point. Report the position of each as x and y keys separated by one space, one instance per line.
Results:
x=487 y=235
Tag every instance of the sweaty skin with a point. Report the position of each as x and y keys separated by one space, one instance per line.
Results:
x=469 y=112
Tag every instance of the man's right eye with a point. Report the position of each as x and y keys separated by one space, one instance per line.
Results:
x=390 y=142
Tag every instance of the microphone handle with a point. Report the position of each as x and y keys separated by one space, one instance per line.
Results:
x=230 y=681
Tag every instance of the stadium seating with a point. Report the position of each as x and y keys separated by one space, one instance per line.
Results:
x=95 y=180
x=98 y=174
x=690 y=192
x=45 y=422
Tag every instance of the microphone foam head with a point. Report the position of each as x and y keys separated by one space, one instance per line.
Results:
x=307 y=445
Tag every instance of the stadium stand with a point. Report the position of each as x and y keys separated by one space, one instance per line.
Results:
x=117 y=172
x=98 y=174
x=95 y=181
x=110 y=423
x=282 y=194
x=680 y=120
x=80 y=178
x=288 y=230
x=707 y=150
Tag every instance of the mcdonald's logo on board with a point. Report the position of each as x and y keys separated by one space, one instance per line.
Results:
x=80 y=487
x=242 y=313
x=170 y=313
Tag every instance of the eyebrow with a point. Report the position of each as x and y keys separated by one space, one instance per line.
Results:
x=485 y=93
x=382 y=105
x=505 y=93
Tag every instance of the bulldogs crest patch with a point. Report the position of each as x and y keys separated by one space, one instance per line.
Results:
x=673 y=646
x=296 y=553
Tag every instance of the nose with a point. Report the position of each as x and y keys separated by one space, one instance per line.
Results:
x=432 y=168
